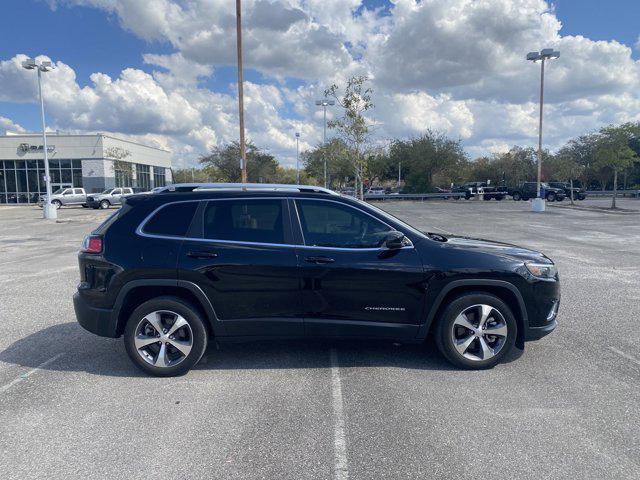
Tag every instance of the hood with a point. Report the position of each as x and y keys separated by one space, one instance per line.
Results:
x=490 y=247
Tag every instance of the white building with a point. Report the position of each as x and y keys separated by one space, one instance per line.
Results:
x=95 y=162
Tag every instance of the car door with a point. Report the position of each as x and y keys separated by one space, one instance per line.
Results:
x=353 y=285
x=78 y=196
x=241 y=253
x=67 y=196
x=115 y=196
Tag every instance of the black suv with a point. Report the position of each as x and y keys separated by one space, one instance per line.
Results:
x=470 y=189
x=578 y=193
x=174 y=269
x=529 y=190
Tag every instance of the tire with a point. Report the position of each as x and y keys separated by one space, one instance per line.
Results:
x=559 y=199
x=551 y=197
x=165 y=310
x=57 y=204
x=104 y=204
x=470 y=353
x=516 y=196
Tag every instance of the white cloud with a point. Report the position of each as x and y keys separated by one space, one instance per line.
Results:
x=456 y=66
x=7 y=125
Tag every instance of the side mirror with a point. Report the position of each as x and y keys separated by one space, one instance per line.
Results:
x=394 y=240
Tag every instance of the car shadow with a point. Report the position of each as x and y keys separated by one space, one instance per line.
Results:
x=76 y=350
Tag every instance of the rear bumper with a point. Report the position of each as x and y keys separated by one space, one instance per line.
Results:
x=96 y=320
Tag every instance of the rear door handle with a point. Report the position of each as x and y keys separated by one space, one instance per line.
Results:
x=202 y=254
x=319 y=260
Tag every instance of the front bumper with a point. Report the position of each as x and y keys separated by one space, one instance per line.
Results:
x=536 y=333
x=100 y=321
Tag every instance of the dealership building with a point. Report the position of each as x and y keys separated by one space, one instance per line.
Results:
x=94 y=162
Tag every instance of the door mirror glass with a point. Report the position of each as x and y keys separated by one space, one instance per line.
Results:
x=394 y=240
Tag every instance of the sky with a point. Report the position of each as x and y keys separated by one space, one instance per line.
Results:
x=163 y=72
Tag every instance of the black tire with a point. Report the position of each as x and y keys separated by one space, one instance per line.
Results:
x=516 y=196
x=57 y=204
x=198 y=332
x=444 y=332
x=551 y=197
x=104 y=204
x=559 y=199
x=499 y=197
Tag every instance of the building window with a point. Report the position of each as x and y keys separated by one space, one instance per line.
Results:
x=159 y=179
x=143 y=176
x=22 y=181
x=123 y=173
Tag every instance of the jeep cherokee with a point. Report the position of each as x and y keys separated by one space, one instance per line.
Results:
x=172 y=270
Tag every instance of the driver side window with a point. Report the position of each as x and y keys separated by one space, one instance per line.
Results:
x=327 y=224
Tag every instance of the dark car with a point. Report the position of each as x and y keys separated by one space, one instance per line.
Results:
x=192 y=263
x=527 y=190
x=578 y=193
x=470 y=189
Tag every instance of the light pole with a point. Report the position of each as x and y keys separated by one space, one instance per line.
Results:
x=541 y=56
x=297 y=158
x=399 y=174
x=324 y=103
x=48 y=210
x=243 y=147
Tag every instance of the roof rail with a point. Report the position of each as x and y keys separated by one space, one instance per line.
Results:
x=192 y=187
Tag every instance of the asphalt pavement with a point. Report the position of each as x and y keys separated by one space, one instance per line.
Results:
x=73 y=406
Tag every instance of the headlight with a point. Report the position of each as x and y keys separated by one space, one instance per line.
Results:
x=544 y=271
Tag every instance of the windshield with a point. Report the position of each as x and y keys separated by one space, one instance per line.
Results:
x=107 y=191
x=393 y=218
x=58 y=191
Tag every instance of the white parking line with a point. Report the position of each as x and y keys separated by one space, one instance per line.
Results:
x=339 y=438
x=625 y=355
x=24 y=376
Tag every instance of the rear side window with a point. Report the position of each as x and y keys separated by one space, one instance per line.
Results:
x=258 y=221
x=172 y=220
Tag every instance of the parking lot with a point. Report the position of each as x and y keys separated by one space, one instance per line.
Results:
x=73 y=406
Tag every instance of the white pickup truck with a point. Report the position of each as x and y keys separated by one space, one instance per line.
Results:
x=66 y=196
x=111 y=196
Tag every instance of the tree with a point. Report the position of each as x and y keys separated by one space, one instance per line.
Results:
x=614 y=154
x=353 y=126
x=429 y=155
x=338 y=158
x=223 y=163
x=567 y=168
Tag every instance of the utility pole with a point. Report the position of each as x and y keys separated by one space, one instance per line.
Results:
x=541 y=56
x=243 y=147
x=399 y=173
x=48 y=210
x=324 y=104
x=297 y=158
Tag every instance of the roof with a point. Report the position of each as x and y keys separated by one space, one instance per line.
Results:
x=280 y=187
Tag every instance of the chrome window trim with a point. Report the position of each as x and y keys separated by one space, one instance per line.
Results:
x=140 y=230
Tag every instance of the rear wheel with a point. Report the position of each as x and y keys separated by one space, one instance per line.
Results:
x=516 y=196
x=165 y=336
x=476 y=331
x=551 y=197
x=56 y=203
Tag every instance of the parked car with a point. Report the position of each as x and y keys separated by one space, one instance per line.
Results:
x=377 y=191
x=489 y=192
x=527 y=190
x=111 y=196
x=66 y=196
x=349 y=191
x=174 y=270
x=578 y=193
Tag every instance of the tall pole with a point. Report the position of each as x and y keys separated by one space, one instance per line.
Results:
x=48 y=211
x=297 y=158
x=540 y=127
x=399 y=173
x=324 y=143
x=243 y=148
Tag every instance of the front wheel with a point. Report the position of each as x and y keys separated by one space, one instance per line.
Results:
x=57 y=204
x=551 y=197
x=165 y=336
x=516 y=196
x=476 y=331
x=104 y=204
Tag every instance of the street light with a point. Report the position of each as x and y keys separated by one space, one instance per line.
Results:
x=48 y=210
x=297 y=158
x=541 y=56
x=324 y=103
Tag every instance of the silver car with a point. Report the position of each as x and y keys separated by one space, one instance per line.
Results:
x=111 y=196
x=66 y=196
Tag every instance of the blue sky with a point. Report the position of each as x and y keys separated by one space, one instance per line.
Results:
x=90 y=40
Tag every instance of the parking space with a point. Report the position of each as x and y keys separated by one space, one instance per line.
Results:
x=73 y=406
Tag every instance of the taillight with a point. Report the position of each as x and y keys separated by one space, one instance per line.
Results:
x=92 y=244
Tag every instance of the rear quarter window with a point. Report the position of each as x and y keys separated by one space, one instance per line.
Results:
x=171 y=220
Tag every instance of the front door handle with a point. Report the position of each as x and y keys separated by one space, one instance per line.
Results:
x=319 y=260
x=202 y=255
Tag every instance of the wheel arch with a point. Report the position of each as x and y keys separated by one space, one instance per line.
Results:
x=505 y=291
x=136 y=292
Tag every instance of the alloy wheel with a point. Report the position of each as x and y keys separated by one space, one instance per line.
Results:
x=479 y=332
x=163 y=338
